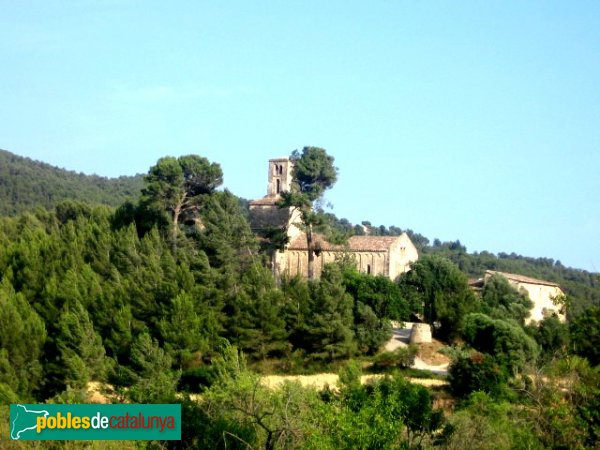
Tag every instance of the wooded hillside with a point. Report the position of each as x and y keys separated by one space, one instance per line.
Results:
x=25 y=184
x=171 y=295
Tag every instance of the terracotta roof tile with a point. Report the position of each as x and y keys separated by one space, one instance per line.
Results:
x=355 y=243
x=521 y=278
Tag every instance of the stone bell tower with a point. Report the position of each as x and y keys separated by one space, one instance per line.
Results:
x=280 y=176
x=264 y=212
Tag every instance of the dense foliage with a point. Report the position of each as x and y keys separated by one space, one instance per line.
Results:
x=582 y=287
x=26 y=184
x=90 y=293
x=312 y=174
x=443 y=292
x=169 y=293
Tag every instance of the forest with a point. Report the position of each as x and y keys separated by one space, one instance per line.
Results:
x=165 y=296
x=26 y=184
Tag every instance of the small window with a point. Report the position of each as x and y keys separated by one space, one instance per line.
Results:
x=280 y=170
x=278 y=186
x=369 y=269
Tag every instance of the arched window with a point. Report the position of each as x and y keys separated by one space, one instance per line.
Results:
x=280 y=170
x=369 y=269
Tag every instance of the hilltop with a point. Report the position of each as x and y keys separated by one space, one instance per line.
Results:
x=26 y=184
x=582 y=286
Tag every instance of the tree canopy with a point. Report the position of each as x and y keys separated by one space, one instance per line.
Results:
x=93 y=295
x=442 y=291
x=28 y=184
x=177 y=186
x=313 y=173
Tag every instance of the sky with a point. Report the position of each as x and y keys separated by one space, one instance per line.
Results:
x=470 y=120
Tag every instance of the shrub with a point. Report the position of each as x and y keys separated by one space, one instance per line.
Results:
x=402 y=357
x=506 y=341
x=197 y=379
x=476 y=372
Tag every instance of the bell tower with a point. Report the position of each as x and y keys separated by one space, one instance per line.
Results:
x=280 y=176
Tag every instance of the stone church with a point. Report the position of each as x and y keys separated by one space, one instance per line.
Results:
x=377 y=255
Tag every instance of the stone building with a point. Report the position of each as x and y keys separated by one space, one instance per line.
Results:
x=540 y=292
x=376 y=255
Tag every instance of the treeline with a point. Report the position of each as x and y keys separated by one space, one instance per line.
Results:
x=26 y=184
x=582 y=287
x=168 y=293
x=90 y=293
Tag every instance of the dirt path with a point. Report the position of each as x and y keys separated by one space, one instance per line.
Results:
x=401 y=338
x=320 y=381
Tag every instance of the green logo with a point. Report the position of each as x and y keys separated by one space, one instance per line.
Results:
x=95 y=422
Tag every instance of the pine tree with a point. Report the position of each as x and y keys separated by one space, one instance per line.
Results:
x=82 y=354
x=22 y=337
x=330 y=325
x=184 y=331
x=154 y=381
x=257 y=324
x=178 y=185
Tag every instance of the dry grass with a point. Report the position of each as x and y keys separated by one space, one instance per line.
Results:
x=430 y=353
x=320 y=381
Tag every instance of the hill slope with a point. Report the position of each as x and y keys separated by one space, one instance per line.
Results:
x=581 y=286
x=25 y=184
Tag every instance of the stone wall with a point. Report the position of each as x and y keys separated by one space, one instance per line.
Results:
x=541 y=296
x=266 y=216
x=420 y=333
x=295 y=262
x=280 y=176
x=540 y=292
x=402 y=253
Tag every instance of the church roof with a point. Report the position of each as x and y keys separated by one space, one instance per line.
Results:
x=521 y=278
x=355 y=243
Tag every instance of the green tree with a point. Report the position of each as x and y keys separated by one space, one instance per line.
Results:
x=329 y=325
x=247 y=414
x=442 y=290
x=178 y=184
x=552 y=337
x=297 y=309
x=390 y=413
x=225 y=235
x=502 y=301
x=371 y=332
x=562 y=404
x=256 y=322
x=80 y=348
x=380 y=293
x=506 y=341
x=474 y=371
x=22 y=338
x=485 y=423
x=585 y=338
x=154 y=381
x=313 y=174
x=184 y=331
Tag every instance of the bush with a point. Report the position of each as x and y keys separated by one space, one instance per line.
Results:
x=506 y=341
x=476 y=372
x=585 y=339
x=402 y=357
x=197 y=379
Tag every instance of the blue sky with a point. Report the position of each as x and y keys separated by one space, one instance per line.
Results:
x=477 y=121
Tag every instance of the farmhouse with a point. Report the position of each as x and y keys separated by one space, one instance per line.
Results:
x=541 y=293
x=377 y=255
